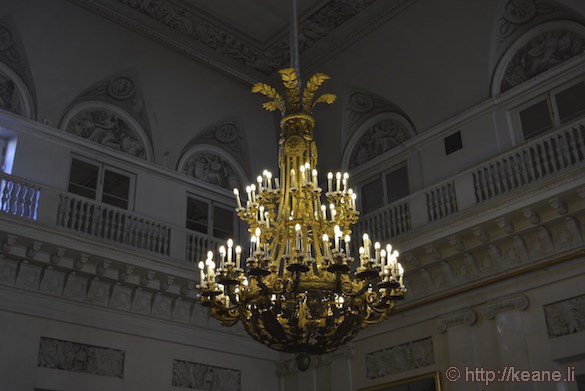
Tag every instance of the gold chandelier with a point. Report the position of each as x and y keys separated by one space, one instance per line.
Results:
x=299 y=291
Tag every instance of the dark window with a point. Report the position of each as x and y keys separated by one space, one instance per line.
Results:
x=453 y=143
x=83 y=178
x=197 y=215
x=116 y=189
x=397 y=184
x=99 y=183
x=223 y=223
x=372 y=196
x=535 y=119
x=571 y=102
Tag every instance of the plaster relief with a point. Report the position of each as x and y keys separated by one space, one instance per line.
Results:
x=205 y=377
x=76 y=357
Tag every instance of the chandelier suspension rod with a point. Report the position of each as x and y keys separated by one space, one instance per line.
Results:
x=294 y=39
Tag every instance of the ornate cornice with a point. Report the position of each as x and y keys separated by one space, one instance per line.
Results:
x=323 y=33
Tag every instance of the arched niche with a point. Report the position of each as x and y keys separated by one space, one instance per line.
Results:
x=212 y=165
x=537 y=51
x=376 y=136
x=14 y=94
x=110 y=126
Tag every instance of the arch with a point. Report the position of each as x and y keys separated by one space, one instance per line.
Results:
x=213 y=165
x=14 y=94
x=110 y=126
x=375 y=137
x=537 y=51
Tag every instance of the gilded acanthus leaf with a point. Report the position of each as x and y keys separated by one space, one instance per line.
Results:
x=270 y=105
x=312 y=86
x=325 y=98
x=265 y=89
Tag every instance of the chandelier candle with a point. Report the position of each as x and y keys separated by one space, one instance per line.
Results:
x=298 y=291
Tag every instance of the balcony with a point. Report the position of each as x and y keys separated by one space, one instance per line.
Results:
x=530 y=173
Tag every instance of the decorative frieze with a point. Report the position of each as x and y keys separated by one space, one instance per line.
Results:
x=465 y=317
x=52 y=281
x=565 y=317
x=400 y=358
x=509 y=303
x=99 y=292
x=29 y=276
x=205 y=377
x=76 y=357
x=75 y=287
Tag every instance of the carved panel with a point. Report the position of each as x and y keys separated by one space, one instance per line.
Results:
x=52 y=281
x=142 y=301
x=108 y=129
x=162 y=306
x=518 y=13
x=380 y=138
x=205 y=377
x=121 y=297
x=361 y=105
x=13 y=56
x=10 y=98
x=99 y=292
x=75 y=287
x=76 y=357
x=400 y=358
x=8 y=270
x=540 y=54
x=29 y=276
x=211 y=168
x=181 y=310
x=565 y=317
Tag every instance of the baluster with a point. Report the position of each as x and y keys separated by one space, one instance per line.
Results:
x=68 y=211
x=579 y=130
x=553 y=167
x=127 y=225
x=561 y=151
x=518 y=166
x=142 y=234
x=15 y=197
x=107 y=222
x=34 y=202
x=446 y=199
x=167 y=241
x=149 y=237
x=24 y=190
x=571 y=141
x=84 y=210
x=505 y=173
x=28 y=203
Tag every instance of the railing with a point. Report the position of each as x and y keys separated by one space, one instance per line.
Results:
x=526 y=164
x=530 y=162
x=198 y=244
x=441 y=201
x=19 y=198
x=112 y=224
x=390 y=221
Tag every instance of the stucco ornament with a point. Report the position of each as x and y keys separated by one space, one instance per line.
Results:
x=380 y=138
x=540 y=54
x=205 y=377
x=211 y=168
x=106 y=128
x=400 y=358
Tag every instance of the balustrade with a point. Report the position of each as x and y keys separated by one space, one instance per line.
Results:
x=19 y=198
x=112 y=224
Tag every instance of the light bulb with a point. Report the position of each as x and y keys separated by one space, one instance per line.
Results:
x=209 y=254
x=230 y=243
x=377 y=245
x=238 y=250
x=258 y=232
x=236 y=191
x=297 y=227
x=201 y=265
x=347 y=238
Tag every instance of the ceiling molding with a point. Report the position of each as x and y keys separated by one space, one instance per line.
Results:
x=322 y=33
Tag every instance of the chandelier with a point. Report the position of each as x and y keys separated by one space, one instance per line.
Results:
x=299 y=288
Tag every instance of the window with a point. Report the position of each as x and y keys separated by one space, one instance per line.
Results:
x=535 y=119
x=101 y=183
x=571 y=102
x=210 y=218
x=557 y=108
x=388 y=187
x=453 y=143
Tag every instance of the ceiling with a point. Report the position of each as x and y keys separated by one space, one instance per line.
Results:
x=249 y=39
